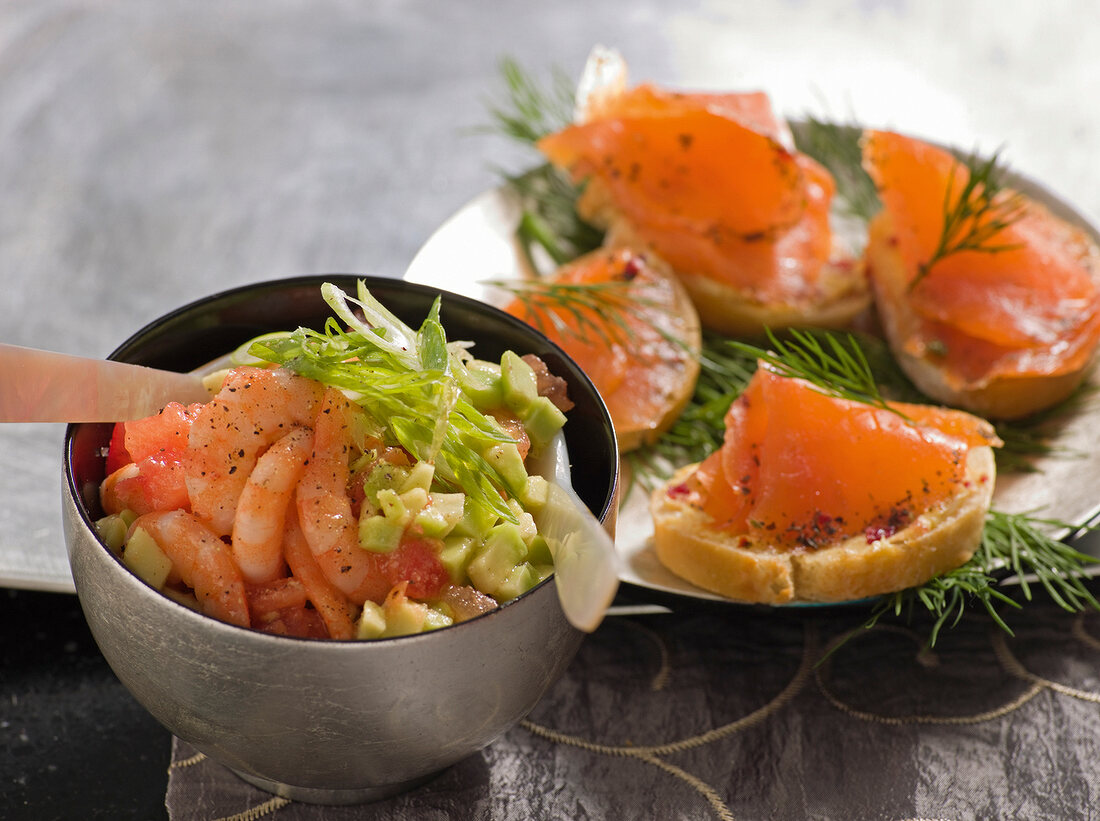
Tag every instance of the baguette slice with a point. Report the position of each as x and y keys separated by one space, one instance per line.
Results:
x=748 y=570
x=638 y=340
x=710 y=183
x=1004 y=333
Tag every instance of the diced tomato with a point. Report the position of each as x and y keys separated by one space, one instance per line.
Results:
x=416 y=561
x=157 y=446
x=167 y=430
x=117 y=455
x=301 y=622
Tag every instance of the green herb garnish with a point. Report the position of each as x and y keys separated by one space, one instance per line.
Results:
x=405 y=381
x=836 y=368
x=1014 y=542
x=974 y=218
x=548 y=198
x=836 y=146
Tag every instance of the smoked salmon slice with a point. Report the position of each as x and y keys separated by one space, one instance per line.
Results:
x=710 y=184
x=801 y=469
x=636 y=336
x=1003 y=332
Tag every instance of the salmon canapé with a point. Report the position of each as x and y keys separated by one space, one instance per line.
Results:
x=1004 y=329
x=708 y=182
x=819 y=498
x=802 y=469
x=627 y=321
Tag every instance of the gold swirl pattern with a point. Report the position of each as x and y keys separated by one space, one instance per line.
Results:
x=701 y=659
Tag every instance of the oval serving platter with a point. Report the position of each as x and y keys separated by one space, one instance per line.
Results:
x=478 y=244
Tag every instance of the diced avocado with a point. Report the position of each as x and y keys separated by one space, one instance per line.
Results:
x=380 y=534
x=522 y=578
x=128 y=517
x=497 y=558
x=536 y=492
x=392 y=506
x=524 y=520
x=435 y=618
x=504 y=456
x=372 y=622
x=538 y=551
x=414 y=500
x=419 y=477
x=383 y=476
x=404 y=617
x=542 y=420
x=456 y=555
x=477 y=520
x=444 y=511
x=481 y=383
x=112 y=532
x=146 y=560
x=521 y=386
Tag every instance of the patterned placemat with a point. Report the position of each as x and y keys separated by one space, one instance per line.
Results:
x=757 y=714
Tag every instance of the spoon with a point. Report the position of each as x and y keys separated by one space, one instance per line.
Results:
x=586 y=566
x=43 y=386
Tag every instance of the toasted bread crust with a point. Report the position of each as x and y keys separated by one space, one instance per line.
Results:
x=748 y=570
x=1008 y=396
x=844 y=290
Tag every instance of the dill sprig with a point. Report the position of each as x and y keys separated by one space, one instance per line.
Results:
x=836 y=146
x=836 y=367
x=974 y=218
x=548 y=198
x=548 y=216
x=727 y=365
x=600 y=310
x=1019 y=544
x=530 y=111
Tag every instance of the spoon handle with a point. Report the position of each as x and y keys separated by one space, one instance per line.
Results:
x=43 y=386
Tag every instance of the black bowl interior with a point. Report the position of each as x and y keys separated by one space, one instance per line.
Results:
x=204 y=330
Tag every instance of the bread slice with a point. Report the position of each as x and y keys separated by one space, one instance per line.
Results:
x=841 y=295
x=748 y=570
x=1003 y=396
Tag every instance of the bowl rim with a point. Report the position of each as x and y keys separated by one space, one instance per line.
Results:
x=75 y=497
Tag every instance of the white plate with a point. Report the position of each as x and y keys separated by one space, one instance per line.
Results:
x=478 y=244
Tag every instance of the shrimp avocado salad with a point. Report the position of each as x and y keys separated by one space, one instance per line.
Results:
x=363 y=481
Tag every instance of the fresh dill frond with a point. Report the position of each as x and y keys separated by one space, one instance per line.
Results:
x=976 y=216
x=836 y=367
x=1012 y=543
x=531 y=110
x=549 y=219
x=727 y=365
x=548 y=198
x=601 y=311
x=836 y=146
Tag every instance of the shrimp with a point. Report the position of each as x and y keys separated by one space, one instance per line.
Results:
x=325 y=509
x=254 y=408
x=333 y=606
x=202 y=560
x=261 y=510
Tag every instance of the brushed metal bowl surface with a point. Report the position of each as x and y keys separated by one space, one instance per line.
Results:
x=327 y=721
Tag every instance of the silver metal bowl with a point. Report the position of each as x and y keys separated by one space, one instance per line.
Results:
x=327 y=721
